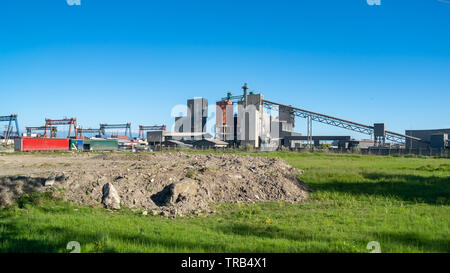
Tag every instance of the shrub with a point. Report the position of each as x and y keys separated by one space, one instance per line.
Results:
x=246 y=148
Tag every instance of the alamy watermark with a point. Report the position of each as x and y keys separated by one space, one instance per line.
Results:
x=251 y=122
x=373 y=2
x=374 y=246
x=73 y=2
x=74 y=246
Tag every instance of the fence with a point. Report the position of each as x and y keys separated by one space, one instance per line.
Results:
x=372 y=151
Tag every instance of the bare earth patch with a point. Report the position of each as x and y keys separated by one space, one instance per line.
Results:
x=160 y=183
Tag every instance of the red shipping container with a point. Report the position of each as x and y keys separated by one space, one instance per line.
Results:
x=43 y=144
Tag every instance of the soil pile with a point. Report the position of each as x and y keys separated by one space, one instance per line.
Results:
x=161 y=183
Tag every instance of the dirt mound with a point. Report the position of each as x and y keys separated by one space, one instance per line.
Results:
x=12 y=187
x=172 y=183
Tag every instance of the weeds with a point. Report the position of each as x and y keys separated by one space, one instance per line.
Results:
x=191 y=174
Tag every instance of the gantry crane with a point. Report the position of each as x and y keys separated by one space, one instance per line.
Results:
x=126 y=126
x=49 y=123
x=31 y=129
x=143 y=129
x=82 y=131
x=9 y=130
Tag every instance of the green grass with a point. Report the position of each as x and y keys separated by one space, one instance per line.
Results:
x=401 y=202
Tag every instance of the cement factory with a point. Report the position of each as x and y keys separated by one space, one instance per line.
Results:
x=247 y=120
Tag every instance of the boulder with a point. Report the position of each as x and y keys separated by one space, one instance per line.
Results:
x=182 y=190
x=110 y=197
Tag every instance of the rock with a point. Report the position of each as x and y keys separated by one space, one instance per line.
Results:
x=144 y=212
x=110 y=197
x=182 y=189
x=154 y=212
x=164 y=213
x=49 y=182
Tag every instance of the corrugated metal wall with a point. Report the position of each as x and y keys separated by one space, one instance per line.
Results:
x=42 y=144
x=100 y=144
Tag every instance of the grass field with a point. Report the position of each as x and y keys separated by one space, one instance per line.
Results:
x=401 y=202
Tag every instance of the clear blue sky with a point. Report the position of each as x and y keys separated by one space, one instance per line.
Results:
x=122 y=61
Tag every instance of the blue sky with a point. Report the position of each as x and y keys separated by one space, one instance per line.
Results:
x=123 y=61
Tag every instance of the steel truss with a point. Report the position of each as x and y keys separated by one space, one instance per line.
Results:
x=82 y=131
x=36 y=128
x=126 y=126
x=342 y=123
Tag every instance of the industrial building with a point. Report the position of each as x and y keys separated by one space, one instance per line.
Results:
x=195 y=120
x=436 y=138
x=175 y=143
x=252 y=125
x=243 y=120
x=226 y=120
x=158 y=137
x=251 y=122
x=100 y=144
x=64 y=144
x=342 y=141
x=210 y=143
x=25 y=144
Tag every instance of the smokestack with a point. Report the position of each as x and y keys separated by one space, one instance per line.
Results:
x=245 y=94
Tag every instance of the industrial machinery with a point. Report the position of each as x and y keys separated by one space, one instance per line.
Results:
x=141 y=145
x=377 y=131
x=143 y=129
x=30 y=130
x=126 y=126
x=49 y=123
x=9 y=130
x=380 y=135
x=225 y=120
x=82 y=131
